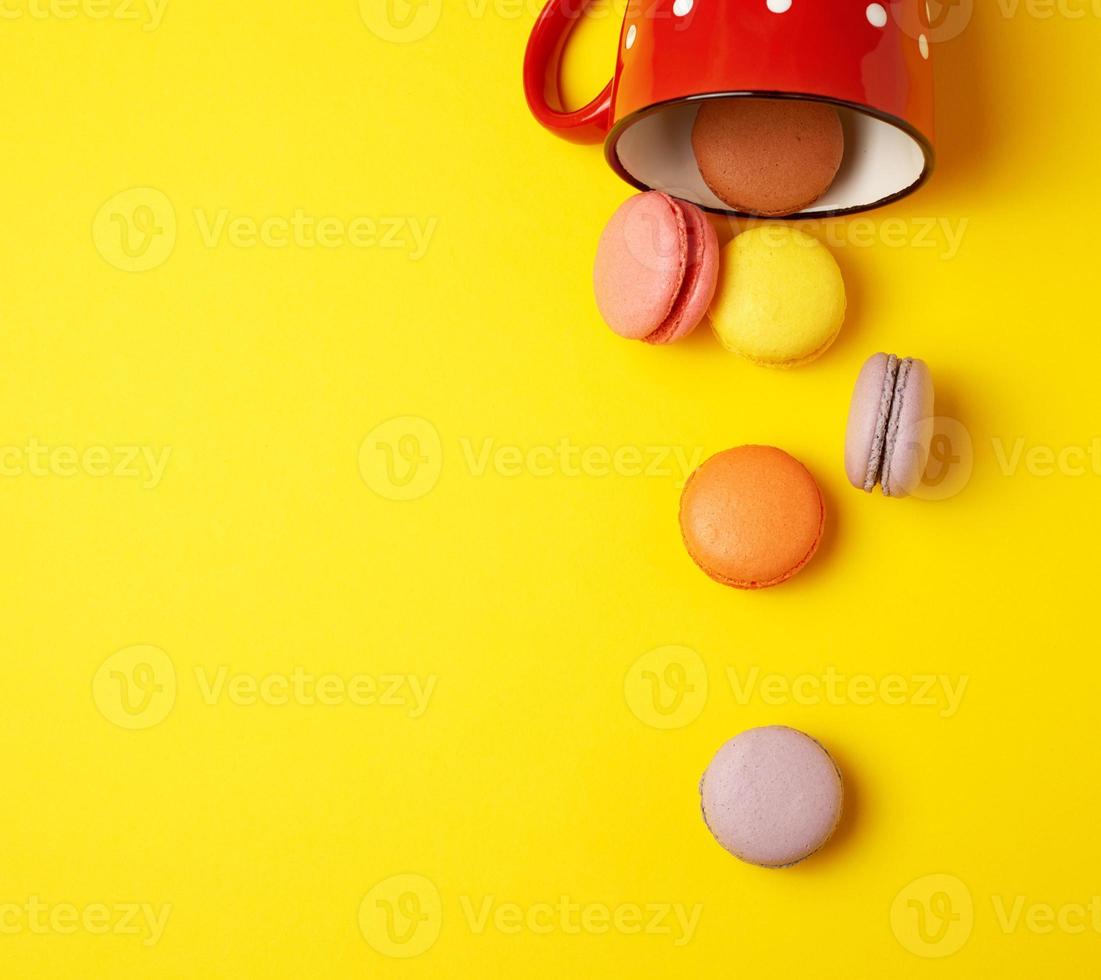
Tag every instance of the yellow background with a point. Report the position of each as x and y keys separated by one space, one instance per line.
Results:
x=536 y=770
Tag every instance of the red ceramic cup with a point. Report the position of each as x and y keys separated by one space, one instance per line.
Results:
x=870 y=60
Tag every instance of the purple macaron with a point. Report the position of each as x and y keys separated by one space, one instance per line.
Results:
x=771 y=796
x=890 y=425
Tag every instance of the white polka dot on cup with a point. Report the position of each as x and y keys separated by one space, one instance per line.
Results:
x=682 y=8
x=877 y=15
x=923 y=46
x=632 y=33
x=778 y=6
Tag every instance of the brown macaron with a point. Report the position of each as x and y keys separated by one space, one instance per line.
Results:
x=768 y=157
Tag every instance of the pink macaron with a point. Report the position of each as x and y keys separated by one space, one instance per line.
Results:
x=656 y=268
x=772 y=796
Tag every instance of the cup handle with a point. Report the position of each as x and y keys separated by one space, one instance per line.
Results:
x=590 y=123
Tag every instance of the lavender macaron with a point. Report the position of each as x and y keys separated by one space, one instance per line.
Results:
x=890 y=425
x=771 y=796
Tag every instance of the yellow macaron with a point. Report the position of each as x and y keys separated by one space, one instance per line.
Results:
x=780 y=300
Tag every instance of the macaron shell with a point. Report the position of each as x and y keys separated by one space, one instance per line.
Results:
x=701 y=274
x=769 y=157
x=751 y=517
x=772 y=796
x=907 y=453
x=780 y=299
x=866 y=409
x=640 y=264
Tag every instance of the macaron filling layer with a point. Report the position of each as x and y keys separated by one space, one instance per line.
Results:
x=886 y=398
x=897 y=402
x=697 y=279
x=892 y=402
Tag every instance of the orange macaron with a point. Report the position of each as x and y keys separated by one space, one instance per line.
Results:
x=751 y=517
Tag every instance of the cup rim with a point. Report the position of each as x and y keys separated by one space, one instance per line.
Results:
x=912 y=131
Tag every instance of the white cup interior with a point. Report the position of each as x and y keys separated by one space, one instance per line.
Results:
x=881 y=160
